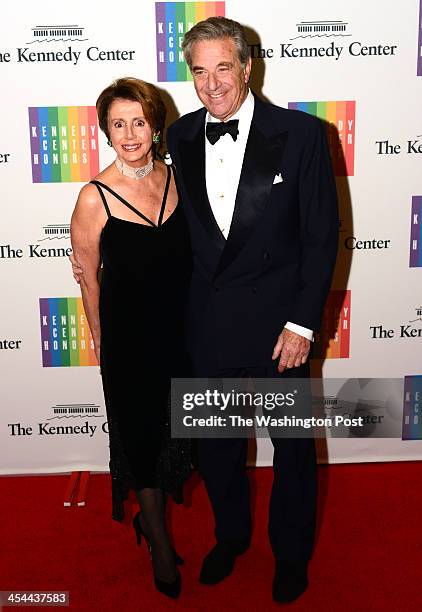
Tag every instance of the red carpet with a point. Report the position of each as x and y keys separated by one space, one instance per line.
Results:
x=368 y=554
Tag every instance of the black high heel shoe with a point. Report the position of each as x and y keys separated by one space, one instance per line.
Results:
x=139 y=533
x=171 y=589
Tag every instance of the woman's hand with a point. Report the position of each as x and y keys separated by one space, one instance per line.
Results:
x=97 y=351
x=77 y=269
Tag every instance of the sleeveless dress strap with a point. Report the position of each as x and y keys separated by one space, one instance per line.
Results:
x=125 y=202
x=97 y=184
x=166 y=190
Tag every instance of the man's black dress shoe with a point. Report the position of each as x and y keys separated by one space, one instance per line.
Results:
x=290 y=581
x=219 y=562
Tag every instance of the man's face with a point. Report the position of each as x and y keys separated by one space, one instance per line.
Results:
x=220 y=81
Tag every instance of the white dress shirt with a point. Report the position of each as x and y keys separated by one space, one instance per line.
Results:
x=223 y=165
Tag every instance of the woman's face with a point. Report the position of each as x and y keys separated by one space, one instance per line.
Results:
x=130 y=133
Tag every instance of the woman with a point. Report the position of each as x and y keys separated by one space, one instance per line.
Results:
x=128 y=218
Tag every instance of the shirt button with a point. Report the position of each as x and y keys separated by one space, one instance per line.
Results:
x=265 y=255
x=221 y=195
x=254 y=290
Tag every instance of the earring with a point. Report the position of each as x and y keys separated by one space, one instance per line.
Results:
x=156 y=138
x=109 y=143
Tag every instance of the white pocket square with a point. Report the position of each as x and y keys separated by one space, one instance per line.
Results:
x=277 y=179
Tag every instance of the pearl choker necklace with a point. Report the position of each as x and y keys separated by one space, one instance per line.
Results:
x=134 y=173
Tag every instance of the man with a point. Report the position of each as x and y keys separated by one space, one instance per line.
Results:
x=259 y=195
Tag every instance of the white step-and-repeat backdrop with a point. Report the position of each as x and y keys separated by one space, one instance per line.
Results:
x=355 y=64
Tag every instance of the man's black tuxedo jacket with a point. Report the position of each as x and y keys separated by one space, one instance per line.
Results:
x=278 y=260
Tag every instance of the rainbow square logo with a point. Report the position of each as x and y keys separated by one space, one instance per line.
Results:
x=66 y=340
x=64 y=143
x=173 y=19
x=334 y=338
x=340 y=123
x=412 y=408
x=416 y=233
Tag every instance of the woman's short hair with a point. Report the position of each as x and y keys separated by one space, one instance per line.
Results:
x=214 y=28
x=129 y=88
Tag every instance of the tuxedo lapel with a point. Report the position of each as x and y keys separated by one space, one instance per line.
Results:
x=260 y=163
x=192 y=156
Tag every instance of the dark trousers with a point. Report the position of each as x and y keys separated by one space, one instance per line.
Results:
x=292 y=511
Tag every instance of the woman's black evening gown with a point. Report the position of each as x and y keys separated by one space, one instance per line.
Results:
x=145 y=277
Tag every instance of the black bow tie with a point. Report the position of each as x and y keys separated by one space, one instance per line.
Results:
x=215 y=130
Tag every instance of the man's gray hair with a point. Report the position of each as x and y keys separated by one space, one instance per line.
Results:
x=214 y=28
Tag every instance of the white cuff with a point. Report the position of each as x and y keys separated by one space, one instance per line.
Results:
x=302 y=331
